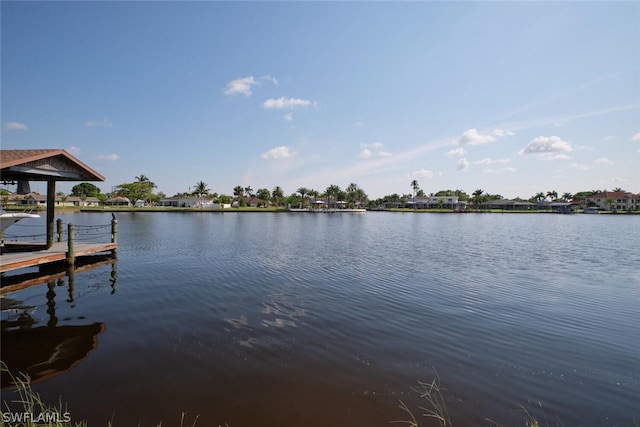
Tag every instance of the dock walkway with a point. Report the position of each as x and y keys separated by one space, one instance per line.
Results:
x=57 y=253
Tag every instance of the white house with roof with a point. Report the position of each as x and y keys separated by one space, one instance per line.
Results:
x=435 y=202
x=192 y=202
x=619 y=200
x=36 y=199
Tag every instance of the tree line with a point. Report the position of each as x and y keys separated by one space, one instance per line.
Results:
x=142 y=188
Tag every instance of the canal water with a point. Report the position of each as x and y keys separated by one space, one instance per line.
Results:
x=298 y=319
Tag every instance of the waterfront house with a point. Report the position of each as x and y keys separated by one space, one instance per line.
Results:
x=189 y=202
x=437 y=202
x=614 y=200
x=35 y=199
x=118 y=201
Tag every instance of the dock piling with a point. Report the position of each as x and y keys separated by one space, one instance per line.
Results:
x=71 y=257
x=59 y=230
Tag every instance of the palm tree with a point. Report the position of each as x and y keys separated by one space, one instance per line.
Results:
x=201 y=189
x=145 y=180
x=303 y=191
x=416 y=187
x=276 y=195
x=477 y=198
x=332 y=190
x=567 y=196
x=238 y=191
x=248 y=191
x=552 y=195
x=360 y=196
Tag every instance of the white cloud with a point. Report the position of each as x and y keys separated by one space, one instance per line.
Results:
x=473 y=137
x=241 y=86
x=359 y=123
x=502 y=132
x=489 y=161
x=74 y=150
x=636 y=137
x=548 y=148
x=104 y=122
x=456 y=152
x=579 y=167
x=15 y=126
x=508 y=169
x=603 y=161
x=281 y=152
x=107 y=157
x=375 y=149
x=366 y=153
x=423 y=173
x=463 y=164
x=288 y=117
x=271 y=79
x=284 y=102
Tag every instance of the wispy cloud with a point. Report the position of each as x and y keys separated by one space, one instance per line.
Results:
x=373 y=150
x=489 y=161
x=286 y=103
x=530 y=124
x=241 y=86
x=603 y=161
x=281 y=152
x=456 y=152
x=579 y=167
x=270 y=78
x=463 y=164
x=288 y=117
x=508 y=169
x=548 y=148
x=15 y=126
x=104 y=122
x=474 y=137
x=636 y=137
x=74 y=150
x=112 y=157
x=423 y=173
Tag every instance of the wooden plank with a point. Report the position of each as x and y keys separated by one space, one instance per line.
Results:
x=57 y=253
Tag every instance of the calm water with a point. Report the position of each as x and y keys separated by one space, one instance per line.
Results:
x=261 y=319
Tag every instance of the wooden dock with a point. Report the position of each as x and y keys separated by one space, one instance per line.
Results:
x=58 y=253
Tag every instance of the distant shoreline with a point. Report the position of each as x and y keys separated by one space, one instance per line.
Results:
x=285 y=210
x=116 y=209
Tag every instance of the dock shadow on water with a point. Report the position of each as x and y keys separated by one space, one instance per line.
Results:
x=39 y=337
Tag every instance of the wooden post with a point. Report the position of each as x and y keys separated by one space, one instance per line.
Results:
x=114 y=234
x=60 y=230
x=71 y=257
x=51 y=202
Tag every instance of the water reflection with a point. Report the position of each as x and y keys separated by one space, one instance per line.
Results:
x=46 y=350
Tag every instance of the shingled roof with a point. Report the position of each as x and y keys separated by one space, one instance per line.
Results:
x=45 y=164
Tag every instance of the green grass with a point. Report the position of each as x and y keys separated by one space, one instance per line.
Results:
x=433 y=412
x=34 y=412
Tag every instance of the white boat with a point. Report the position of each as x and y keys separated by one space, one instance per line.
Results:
x=7 y=219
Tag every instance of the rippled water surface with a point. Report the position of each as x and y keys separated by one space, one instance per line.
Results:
x=274 y=319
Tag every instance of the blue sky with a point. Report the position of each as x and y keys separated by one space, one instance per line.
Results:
x=509 y=97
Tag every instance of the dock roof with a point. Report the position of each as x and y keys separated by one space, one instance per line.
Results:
x=43 y=165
